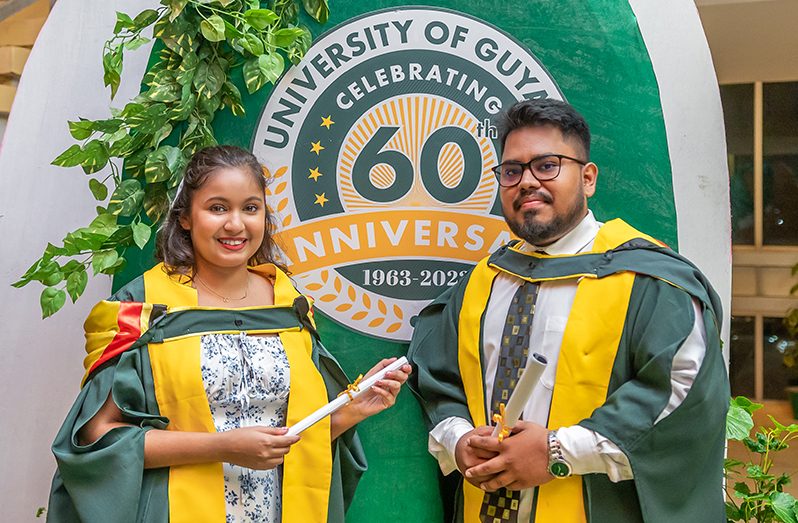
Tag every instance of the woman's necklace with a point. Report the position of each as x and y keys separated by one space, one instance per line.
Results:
x=225 y=299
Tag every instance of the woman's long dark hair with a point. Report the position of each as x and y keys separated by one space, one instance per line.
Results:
x=173 y=244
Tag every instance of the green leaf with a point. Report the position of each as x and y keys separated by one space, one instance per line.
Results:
x=155 y=201
x=105 y=223
x=103 y=260
x=84 y=240
x=162 y=163
x=738 y=422
x=167 y=92
x=318 y=9
x=135 y=43
x=127 y=198
x=51 y=301
x=141 y=234
x=116 y=267
x=134 y=165
x=209 y=79
x=285 y=37
x=251 y=44
x=81 y=129
x=71 y=266
x=742 y=488
x=176 y=7
x=749 y=406
x=265 y=68
x=300 y=46
x=145 y=18
x=123 y=21
x=112 y=69
x=109 y=126
x=187 y=68
x=213 y=28
x=260 y=18
x=70 y=158
x=95 y=156
x=76 y=283
x=784 y=507
x=148 y=120
x=98 y=189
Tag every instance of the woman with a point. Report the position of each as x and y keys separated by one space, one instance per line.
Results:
x=216 y=346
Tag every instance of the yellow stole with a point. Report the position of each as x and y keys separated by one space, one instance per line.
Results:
x=587 y=355
x=196 y=492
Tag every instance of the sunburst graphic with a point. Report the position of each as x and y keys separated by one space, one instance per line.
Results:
x=417 y=117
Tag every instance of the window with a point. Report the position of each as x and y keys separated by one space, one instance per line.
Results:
x=761 y=121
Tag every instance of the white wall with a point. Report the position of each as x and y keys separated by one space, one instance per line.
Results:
x=41 y=361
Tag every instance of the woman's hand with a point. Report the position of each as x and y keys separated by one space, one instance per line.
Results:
x=379 y=397
x=383 y=394
x=259 y=448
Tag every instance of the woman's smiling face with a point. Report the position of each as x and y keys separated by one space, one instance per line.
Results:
x=227 y=219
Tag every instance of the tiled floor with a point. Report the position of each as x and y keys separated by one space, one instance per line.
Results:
x=785 y=460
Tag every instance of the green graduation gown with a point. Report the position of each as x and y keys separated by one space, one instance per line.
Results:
x=678 y=462
x=106 y=480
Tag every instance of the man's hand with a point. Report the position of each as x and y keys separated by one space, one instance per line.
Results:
x=521 y=461
x=468 y=457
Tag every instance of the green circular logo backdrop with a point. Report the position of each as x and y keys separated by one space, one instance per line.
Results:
x=380 y=144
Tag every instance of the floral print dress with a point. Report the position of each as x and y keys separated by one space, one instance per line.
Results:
x=246 y=379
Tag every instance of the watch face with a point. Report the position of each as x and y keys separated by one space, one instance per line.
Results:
x=559 y=469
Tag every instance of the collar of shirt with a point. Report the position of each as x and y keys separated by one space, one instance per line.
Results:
x=576 y=240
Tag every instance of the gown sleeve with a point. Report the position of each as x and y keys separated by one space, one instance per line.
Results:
x=677 y=461
x=106 y=480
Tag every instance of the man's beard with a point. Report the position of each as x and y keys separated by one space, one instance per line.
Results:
x=536 y=233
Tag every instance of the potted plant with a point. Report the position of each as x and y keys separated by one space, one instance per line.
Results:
x=753 y=491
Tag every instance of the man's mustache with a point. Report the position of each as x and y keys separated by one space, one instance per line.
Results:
x=542 y=196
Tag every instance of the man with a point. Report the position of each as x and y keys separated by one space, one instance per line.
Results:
x=627 y=422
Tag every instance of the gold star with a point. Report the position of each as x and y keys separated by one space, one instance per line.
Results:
x=320 y=199
x=314 y=174
x=316 y=147
x=326 y=122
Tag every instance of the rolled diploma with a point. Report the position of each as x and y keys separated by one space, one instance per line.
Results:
x=343 y=399
x=523 y=389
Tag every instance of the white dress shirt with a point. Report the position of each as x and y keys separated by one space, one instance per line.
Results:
x=585 y=450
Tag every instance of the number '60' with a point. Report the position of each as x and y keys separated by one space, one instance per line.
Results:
x=372 y=154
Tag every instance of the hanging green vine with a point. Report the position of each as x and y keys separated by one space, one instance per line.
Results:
x=204 y=41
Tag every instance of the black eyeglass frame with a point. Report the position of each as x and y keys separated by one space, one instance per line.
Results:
x=528 y=165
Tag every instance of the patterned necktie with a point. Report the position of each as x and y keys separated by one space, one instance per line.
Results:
x=502 y=506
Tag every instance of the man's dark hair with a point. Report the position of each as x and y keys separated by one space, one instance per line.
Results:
x=537 y=113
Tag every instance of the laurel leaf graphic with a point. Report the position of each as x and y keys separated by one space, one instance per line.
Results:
x=281 y=171
x=394 y=327
x=287 y=220
x=337 y=284
x=313 y=286
x=328 y=297
x=359 y=315
x=280 y=187
x=282 y=204
x=266 y=172
x=344 y=307
x=351 y=293
x=376 y=322
x=324 y=275
x=367 y=301
x=381 y=306
x=398 y=312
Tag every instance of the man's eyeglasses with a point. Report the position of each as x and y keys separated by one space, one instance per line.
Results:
x=544 y=168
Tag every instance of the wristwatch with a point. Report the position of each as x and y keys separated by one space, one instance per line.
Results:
x=558 y=467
